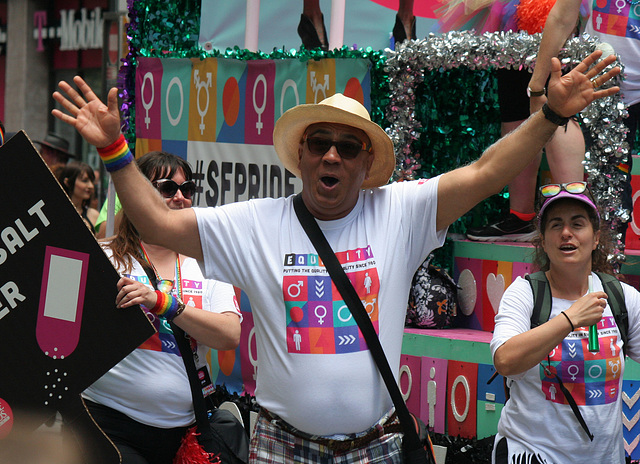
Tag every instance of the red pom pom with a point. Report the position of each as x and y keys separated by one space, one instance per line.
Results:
x=532 y=14
x=190 y=451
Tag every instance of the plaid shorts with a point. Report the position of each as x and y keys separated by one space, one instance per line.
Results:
x=276 y=442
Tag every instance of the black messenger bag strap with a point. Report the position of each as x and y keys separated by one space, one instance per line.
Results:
x=199 y=404
x=413 y=448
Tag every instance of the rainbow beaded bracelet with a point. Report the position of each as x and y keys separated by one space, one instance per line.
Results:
x=167 y=306
x=117 y=155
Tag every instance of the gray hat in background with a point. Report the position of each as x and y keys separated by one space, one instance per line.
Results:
x=57 y=143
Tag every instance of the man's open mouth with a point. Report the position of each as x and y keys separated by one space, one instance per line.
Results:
x=329 y=181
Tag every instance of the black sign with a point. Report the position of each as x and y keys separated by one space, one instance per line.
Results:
x=59 y=328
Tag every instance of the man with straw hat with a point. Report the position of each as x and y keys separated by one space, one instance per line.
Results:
x=316 y=383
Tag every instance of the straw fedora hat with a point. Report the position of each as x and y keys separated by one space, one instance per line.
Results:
x=337 y=109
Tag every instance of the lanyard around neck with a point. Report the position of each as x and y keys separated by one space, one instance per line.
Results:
x=165 y=285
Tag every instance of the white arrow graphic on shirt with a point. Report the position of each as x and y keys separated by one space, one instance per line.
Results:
x=630 y=401
x=629 y=447
x=594 y=394
x=346 y=340
x=319 y=288
x=572 y=350
x=630 y=423
x=169 y=345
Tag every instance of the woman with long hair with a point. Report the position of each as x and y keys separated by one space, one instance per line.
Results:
x=565 y=393
x=144 y=403
x=78 y=181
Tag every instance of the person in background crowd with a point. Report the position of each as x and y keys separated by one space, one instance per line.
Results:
x=54 y=149
x=101 y=222
x=77 y=180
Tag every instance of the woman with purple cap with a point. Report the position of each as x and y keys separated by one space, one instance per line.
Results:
x=565 y=396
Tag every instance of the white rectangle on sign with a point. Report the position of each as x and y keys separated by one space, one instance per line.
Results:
x=63 y=288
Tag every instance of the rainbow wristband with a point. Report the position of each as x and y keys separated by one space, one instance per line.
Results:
x=117 y=155
x=167 y=306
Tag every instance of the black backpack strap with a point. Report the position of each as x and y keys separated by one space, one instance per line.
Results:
x=613 y=289
x=572 y=402
x=541 y=298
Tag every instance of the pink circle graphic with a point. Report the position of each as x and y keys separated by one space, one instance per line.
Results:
x=6 y=419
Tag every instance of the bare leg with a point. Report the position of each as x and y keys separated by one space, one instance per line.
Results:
x=405 y=13
x=522 y=189
x=311 y=9
x=565 y=152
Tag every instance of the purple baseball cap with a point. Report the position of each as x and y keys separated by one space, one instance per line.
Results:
x=572 y=196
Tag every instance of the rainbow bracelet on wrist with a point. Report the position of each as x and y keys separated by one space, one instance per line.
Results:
x=117 y=155
x=167 y=306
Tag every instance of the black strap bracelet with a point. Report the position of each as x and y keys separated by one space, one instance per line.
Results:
x=535 y=93
x=571 y=323
x=553 y=116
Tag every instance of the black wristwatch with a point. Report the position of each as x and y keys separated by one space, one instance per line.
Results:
x=554 y=117
x=535 y=93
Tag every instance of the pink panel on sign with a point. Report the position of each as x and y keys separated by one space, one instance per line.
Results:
x=149 y=98
x=520 y=270
x=259 y=102
x=64 y=280
x=488 y=314
x=633 y=231
x=410 y=381
x=433 y=393
x=248 y=355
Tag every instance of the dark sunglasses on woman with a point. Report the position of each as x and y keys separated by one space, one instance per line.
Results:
x=168 y=188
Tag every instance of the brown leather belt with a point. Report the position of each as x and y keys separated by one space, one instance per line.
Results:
x=391 y=425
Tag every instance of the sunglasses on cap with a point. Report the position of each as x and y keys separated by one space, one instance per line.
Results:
x=551 y=190
x=168 y=188
x=346 y=149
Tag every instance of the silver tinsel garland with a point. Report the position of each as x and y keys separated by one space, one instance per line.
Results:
x=603 y=118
